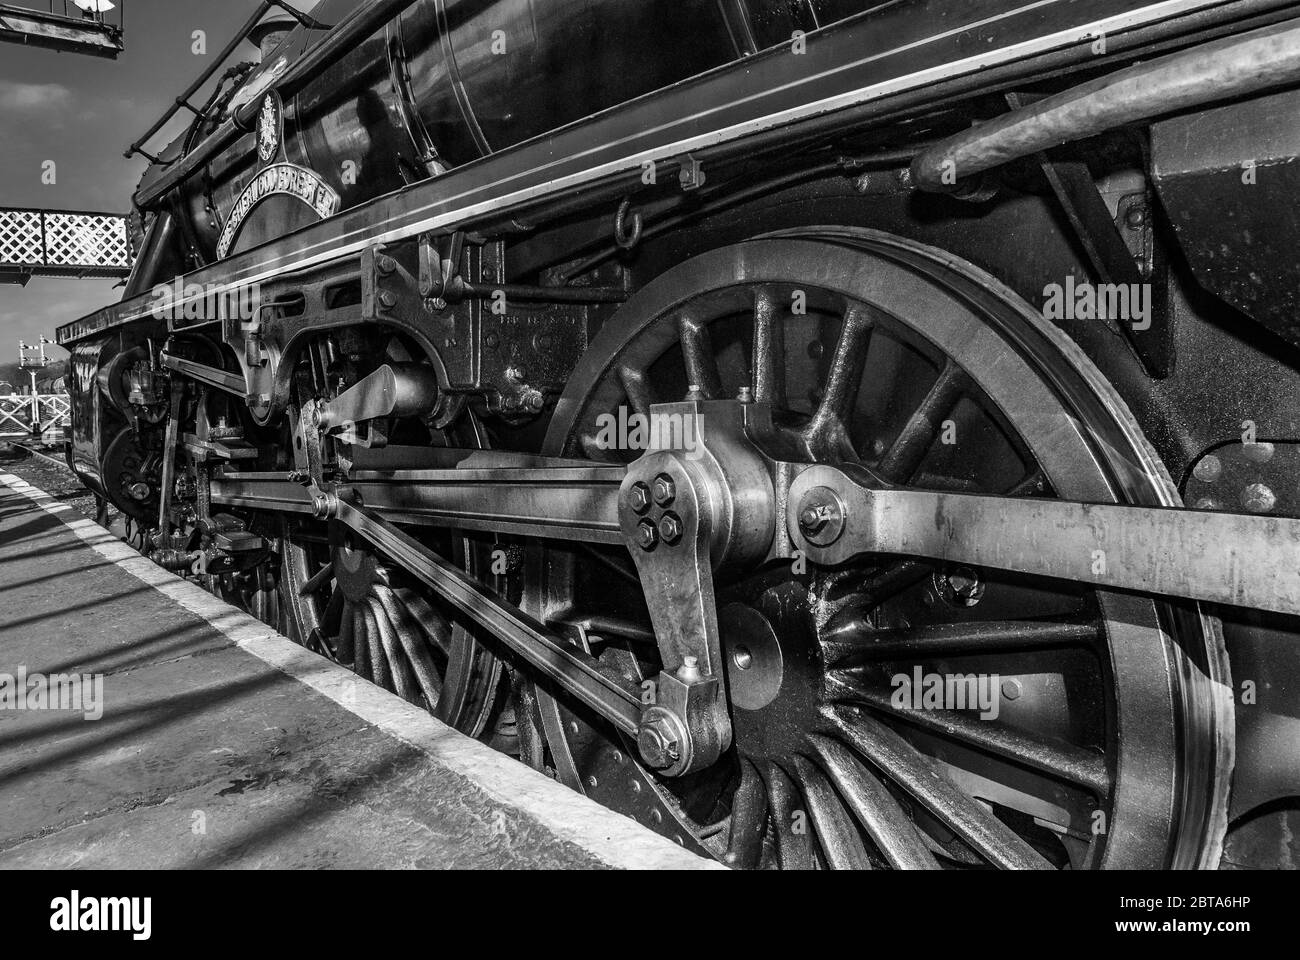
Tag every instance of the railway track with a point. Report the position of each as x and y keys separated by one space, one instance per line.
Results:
x=55 y=461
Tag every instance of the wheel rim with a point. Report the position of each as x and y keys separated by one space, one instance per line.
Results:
x=1137 y=745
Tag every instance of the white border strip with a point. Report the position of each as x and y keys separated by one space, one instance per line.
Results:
x=609 y=837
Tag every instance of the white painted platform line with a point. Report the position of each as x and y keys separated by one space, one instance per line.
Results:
x=609 y=837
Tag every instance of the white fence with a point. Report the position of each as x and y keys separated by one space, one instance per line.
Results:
x=33 y=416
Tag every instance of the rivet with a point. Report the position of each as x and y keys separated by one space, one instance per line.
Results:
x=1209 y=469
x=1258 y=498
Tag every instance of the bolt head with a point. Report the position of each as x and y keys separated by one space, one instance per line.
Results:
x=657 y=742
x=963 y=587
x=647 y=535
x=638 y=497
x=821 y=516
x=813 y=519
x=671 y=528
x=665 y=491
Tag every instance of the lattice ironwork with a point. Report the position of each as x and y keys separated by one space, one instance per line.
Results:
x=61 y=243
x=22 y=237
x=86 y=240
x=47 y=411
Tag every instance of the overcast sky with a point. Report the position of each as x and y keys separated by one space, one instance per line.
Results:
x=82 y=113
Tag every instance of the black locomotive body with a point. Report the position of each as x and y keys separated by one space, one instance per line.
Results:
x=835 y=433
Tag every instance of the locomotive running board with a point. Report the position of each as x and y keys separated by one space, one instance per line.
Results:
x=847 y=76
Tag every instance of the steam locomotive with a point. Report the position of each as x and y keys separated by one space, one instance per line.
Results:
x=834 y=433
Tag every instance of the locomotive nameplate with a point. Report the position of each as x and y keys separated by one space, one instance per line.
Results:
x=280 y=178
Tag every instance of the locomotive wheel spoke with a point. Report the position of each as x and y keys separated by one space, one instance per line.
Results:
x=639 y=395
x=827 y=433
x=850 y=638
x=1065 y=761
x=347 y=652
x=908 y=450
x=413 y=640
x=919 y=776
x=380 y=671
x=794 y=842
x=435 y=626
x=319 y=579
x=749 y=813
x=360 y=642
x=697 y=355
x=880 y=585
x=331 y=618
x=769 y=346
x=884 y=820
x=404 y=683
x=836 y=834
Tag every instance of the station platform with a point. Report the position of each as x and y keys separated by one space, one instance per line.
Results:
x=224 y=745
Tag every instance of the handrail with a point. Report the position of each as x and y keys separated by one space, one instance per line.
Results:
x=342 y=38
x=183 y=100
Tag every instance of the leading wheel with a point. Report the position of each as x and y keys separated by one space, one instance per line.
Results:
x=1096 y=731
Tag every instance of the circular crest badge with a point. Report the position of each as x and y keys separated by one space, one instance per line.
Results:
x=270 y=127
